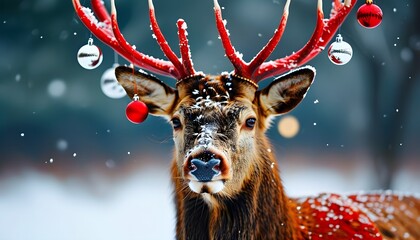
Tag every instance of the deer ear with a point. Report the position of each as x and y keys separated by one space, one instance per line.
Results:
x=286 y=92
x=159 y=97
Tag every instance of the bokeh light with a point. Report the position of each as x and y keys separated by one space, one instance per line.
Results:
x=57 y=88
x=288 y=126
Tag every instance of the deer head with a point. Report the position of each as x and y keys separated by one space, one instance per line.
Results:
x=218 y=122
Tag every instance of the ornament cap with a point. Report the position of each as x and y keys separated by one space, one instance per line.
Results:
x=339 y=38
x=90 y=41
x=369 y=1
x=136 y=97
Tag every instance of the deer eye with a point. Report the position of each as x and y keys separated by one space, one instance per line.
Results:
x=176 y=123
x=250 y=123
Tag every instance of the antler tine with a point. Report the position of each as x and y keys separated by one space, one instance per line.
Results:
x=164 y=46
x=234 y=56
x=185 y=48
x=100 y=11
x=106 y=29
x=272 y=43
x=323 y=33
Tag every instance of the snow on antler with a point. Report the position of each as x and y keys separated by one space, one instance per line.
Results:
x=257 y=69
x=185 y=48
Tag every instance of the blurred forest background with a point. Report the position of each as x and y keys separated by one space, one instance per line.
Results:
x=73 y=167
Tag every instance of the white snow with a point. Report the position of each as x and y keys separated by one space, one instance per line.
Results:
x=38 y=206
x=184 y=26
x=90 y=15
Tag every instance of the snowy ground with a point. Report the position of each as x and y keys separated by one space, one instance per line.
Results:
x=36 y=205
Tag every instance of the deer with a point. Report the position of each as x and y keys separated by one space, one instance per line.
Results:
x=226 y=180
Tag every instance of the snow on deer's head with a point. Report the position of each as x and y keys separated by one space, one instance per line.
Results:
x=217 y=121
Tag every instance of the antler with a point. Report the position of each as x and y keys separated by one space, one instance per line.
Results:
x=105 y=27
x=257 y=69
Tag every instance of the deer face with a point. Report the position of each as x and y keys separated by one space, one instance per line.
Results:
x=217 y=121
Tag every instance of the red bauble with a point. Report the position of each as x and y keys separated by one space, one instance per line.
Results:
x=136 y=111
x=369 y=15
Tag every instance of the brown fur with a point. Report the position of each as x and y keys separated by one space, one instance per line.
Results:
x=211 y=114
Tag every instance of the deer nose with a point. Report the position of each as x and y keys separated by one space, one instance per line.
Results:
x=204 y=171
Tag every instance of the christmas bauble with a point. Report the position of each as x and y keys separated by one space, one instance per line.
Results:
x=339 y=51
x=110 y=86
x=89 y=56
x=369 y=15
x=136 y=111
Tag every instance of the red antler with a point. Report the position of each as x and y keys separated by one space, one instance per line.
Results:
x=105 y=27
x=257 y=69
